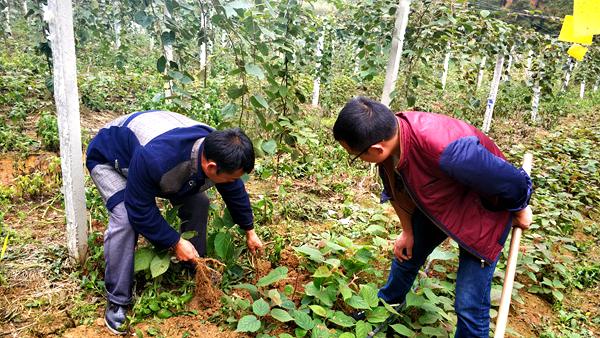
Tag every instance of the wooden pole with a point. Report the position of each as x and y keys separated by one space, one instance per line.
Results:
x=59 y=16
x=511 y=266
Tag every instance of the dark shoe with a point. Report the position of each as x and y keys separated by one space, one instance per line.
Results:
x=115 y=318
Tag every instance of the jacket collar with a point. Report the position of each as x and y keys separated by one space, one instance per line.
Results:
x=403 y=141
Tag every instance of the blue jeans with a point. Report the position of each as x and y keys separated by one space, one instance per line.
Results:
x=473 y=282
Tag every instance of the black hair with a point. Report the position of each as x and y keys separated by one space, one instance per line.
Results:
x=363 y=122
x=230 y=149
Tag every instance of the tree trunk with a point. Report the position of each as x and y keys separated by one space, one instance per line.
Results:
x=391 y=73
x=487 y=120
x=60 y=19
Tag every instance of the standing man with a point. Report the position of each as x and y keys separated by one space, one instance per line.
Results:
x=141 y=156
x=444 y=178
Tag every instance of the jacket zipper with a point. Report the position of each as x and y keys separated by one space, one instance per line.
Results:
x=434 y=221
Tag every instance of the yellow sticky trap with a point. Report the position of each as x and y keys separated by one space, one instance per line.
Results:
x=577 y=52
x=567 y=33
x=587 y=17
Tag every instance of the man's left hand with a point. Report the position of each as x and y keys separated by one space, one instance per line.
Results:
x=254 y=243
x=523 y=218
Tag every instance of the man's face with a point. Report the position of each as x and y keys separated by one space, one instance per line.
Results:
x=374 y=154
x=223 y=177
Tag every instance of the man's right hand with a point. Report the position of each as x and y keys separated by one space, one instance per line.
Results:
x=404 y=245
x=185 y=251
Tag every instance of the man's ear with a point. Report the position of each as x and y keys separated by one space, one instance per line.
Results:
x=211 y=167
x=378 y=148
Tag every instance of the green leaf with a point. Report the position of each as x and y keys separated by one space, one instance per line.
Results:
x=312 y=253
x=363 y=328
x=142 y=259
x=339 y=318
x=248 y=323
x=413 y=299
x=378 y=315
x=484 y=13
x=275 y=297
x=250 y=288
x=285 y=335
x=303 y=320
x=376 y=230
x=228 y=112
x=273 y=276
x=269 y=147
x=189 y=234
x=369 y=294
x=255 y=71
x=318 y=310
x=234 y=91
x=347 y=335
x=433 y=331
x=258 y=101
x=161 y=64
x=160 y=264
x=281 y=315
x=358 y=302
x=403 y=330
x=260 y=307
x=322 y=272
x=345 y=291
x=222 y=244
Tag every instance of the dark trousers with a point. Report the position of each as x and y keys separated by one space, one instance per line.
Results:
x=120 y=240
x=473 y=282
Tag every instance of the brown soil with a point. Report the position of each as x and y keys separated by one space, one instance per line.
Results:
x=531 y=317
x=193 y=326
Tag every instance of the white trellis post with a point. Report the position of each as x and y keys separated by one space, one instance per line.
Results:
x=582 y=89
x=7 y=21
x=202 y=51
x=116 y=23
x=391 y=72
x=59 y=15
x=528 y=67
x=356 y=61
x=168 y=50
x=481 y=69
x=565 y=85
x=509 y=64
x=596 y=85
x=489 y=110
x=535 y=101
x=317 y=80
x=446 y=66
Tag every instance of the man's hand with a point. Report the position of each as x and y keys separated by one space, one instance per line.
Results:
x=185 y=251
x=404 y=242
x=253 y=242
x=523 y=218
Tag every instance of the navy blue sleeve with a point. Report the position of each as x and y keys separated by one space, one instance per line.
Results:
x=140 y=202
x=497 y=181
x=237 y=201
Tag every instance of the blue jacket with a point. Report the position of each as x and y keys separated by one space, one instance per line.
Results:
x=158 y=153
